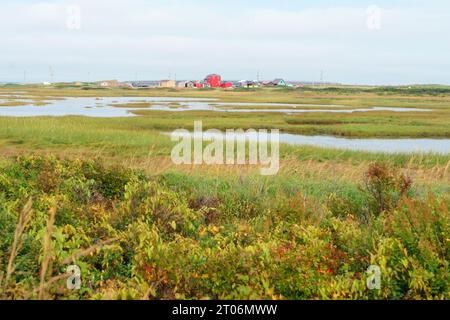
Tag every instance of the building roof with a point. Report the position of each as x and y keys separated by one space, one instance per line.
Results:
x=145 y=83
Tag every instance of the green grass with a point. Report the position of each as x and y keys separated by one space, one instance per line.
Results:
x=370 y=124
x=369 y=96
x=138 y=136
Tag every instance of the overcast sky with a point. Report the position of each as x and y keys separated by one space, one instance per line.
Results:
x=367 y=42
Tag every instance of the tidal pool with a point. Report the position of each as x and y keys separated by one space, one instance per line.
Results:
x=104 y=107
x=392 y=146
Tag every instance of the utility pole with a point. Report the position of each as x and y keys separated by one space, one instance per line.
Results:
x=51 y=74
x=321 y=78
x=257 y=76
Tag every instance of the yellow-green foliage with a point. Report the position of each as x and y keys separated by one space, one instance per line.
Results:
x=136 y=238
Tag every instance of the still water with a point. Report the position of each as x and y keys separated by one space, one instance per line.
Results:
x=104 y=107
x=441 y=146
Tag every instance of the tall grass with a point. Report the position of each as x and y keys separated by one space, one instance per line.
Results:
x=24 y=218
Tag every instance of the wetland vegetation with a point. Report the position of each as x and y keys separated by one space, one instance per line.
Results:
x=102 y=193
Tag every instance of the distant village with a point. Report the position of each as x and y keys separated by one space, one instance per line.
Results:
x=210 y=81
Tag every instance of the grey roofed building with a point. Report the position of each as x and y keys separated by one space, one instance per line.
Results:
x=145 y=84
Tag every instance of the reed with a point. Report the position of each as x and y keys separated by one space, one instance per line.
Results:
x=24 y=218
x=46 y=253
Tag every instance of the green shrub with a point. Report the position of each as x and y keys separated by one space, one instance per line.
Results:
x=384 y=188
x=172 y=237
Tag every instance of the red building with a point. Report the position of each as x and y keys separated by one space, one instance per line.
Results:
x=213 y=80
x=226 y=85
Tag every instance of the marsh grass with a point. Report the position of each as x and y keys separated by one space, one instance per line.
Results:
x=46 y=252
x=133 y=105
x=24 y=218
x=362 y=124
x=135 y=144
x=13 y=103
